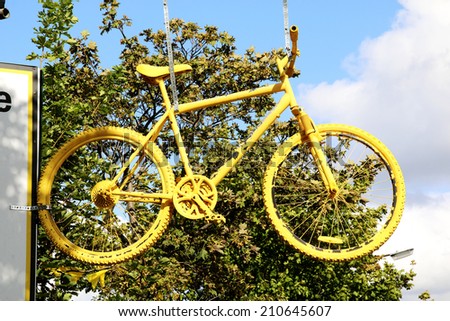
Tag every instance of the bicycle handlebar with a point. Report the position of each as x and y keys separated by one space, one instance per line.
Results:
x=293 y=31
x=294 y=35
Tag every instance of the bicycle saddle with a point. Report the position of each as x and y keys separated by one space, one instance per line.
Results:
x=154 y=74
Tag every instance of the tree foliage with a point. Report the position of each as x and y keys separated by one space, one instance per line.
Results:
x=241 y=260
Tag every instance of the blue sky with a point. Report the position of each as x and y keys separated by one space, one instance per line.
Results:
x=380 y=65
x=330 y=30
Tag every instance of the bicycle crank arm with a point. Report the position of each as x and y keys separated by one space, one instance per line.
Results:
x=210 y=215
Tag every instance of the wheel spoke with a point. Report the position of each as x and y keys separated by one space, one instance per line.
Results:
x=342 y=226
x=90 y=217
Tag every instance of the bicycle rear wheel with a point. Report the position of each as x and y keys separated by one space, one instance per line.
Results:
x=111 y=230
x=359 y=219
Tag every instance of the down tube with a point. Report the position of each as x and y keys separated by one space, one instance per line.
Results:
x=242 y=149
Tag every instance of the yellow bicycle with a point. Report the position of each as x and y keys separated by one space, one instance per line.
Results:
x=333 y=192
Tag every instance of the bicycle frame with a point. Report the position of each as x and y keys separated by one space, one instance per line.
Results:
x=307 y=129
x=287 y=99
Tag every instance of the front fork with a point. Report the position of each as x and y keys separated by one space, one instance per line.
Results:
x=313 y=138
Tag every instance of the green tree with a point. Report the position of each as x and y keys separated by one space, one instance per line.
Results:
x=241 y=260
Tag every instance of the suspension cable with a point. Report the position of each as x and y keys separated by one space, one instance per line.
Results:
x=286 y=25
x=173 y=84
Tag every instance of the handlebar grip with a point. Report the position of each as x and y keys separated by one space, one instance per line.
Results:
x=289 y=68
x=294 y=33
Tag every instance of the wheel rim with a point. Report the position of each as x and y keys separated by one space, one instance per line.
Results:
x=75 y=182
x=357 y=220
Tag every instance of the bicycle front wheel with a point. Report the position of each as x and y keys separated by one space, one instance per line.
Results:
x=353 y=223
x=111 y=230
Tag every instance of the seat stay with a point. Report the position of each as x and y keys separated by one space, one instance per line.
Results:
x=150 y=137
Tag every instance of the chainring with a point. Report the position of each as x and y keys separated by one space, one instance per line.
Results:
x=191 y=187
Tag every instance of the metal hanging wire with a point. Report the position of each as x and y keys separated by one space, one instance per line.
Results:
x=173 y=84
x=286 y=25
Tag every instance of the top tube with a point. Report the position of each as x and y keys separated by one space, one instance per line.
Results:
x=261 y=91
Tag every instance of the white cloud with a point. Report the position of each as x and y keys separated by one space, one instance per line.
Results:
x=398 y=88
x=423 y=227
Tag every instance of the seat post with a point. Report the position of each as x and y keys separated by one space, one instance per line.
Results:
x=175 y=128
x=165 y=96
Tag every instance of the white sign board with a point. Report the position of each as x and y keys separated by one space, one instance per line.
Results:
x=19 y=148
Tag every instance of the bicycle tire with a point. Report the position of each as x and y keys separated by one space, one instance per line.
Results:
x=359 y=219
x=112 y=234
